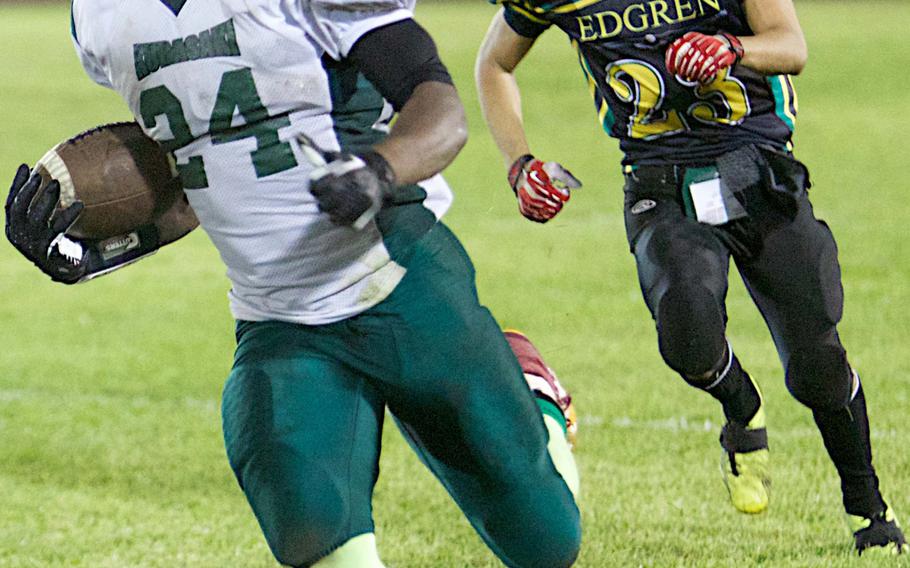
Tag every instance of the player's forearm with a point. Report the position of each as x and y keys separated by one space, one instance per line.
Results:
x=774 y=52
x=500 y=102
x=778 y=45
x=427 y=135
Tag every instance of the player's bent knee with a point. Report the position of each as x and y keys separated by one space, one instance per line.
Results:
x=301 y=535
x=820 y=377
x=690 y=329
x=536 y=527
x=559 y=548
x=299 y=504
x=564 y=545
x=292 y=544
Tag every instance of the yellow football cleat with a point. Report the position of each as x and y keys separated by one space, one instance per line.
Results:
x=746 y=462
x=879 y=535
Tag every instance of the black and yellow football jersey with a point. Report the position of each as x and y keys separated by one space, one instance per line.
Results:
x=660 y=118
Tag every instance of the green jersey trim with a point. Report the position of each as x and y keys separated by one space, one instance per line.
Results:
x=604 y=114
x=785 y=102
x=523 y=22
x=557 y=7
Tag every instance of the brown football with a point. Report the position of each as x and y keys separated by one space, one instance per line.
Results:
x=123 y=178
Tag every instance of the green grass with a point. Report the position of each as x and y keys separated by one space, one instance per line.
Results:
x=110 y=444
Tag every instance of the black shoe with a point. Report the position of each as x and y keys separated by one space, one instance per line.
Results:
x=881 y=531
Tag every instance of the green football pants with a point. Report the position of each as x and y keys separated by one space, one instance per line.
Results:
x=303 y=412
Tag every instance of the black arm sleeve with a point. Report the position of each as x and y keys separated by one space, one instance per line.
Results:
x=398 y=57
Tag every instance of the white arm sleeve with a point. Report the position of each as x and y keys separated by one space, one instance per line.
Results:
x=82 y=36
x=338 y=24
x=92 y=67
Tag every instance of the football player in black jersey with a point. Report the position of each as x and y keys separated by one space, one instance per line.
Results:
x=698 y=93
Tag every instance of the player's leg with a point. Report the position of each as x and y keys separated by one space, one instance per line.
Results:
x=555 y=404
x=502 y=455
x=682 y=270
x=795 y=281
x=462 y=402
x=302 y=435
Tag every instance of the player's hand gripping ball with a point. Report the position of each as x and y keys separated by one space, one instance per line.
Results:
x=96 y=202
x=697 y=57
x=542 y=188
x=35 y=226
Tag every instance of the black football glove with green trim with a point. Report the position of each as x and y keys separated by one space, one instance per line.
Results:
x=350 y=188
x=37 y=228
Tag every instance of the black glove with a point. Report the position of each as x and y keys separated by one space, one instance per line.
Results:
x=37 y=229
x=352 y=188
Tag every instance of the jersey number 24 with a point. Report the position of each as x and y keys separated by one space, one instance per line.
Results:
x=236 y=92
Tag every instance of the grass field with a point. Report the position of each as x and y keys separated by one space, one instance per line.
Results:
x=110 y=441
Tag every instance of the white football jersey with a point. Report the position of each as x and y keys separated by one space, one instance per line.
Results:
x=227 y=85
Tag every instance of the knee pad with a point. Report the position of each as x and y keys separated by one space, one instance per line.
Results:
x=295 y=544
x=820 y=377
x=303 y=511
x=302 y=537
x=690 y=330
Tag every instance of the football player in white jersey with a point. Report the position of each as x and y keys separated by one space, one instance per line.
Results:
x=350 y=295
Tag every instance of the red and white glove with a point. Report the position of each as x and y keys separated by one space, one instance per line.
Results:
x=698 y=57
x=541 y=187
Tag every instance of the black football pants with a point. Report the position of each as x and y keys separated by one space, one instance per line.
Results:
x=788 y=261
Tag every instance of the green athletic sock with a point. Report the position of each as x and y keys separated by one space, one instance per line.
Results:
x=558 y=446
x=549 y=408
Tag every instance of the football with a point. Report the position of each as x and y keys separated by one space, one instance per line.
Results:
x=123 y=178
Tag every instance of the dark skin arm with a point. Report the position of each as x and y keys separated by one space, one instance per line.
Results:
x=432 y=121
x=401 y=62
